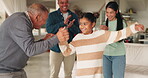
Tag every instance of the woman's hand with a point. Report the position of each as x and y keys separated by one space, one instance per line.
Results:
x=103 y=27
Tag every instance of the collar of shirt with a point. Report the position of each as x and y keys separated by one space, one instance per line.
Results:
x=28 y=17
x=69 y=12
x=65 y=15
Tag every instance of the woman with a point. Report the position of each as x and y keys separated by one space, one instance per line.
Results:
x=114 y=54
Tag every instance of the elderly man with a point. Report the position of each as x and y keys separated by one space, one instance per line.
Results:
x=17 y=43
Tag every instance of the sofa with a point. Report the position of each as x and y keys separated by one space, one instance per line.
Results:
x=136 y=60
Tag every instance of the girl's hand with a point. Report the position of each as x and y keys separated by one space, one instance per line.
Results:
x=139 y=27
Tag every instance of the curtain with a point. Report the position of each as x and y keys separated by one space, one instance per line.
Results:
x=12 y=6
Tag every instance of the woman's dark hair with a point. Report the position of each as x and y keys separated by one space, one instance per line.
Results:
x=113 y=5
x=90 y=16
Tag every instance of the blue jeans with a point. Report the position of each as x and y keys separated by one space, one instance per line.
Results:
x=114 y=66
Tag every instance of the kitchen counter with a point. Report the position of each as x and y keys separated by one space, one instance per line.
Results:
x=143 y=39
x=135 y=44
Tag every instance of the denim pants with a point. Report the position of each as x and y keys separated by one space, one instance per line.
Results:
x=114 y=66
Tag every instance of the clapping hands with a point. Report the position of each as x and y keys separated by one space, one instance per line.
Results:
x=69 y=23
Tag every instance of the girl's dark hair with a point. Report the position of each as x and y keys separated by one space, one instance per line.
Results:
x=113 y=5
x=90 y=16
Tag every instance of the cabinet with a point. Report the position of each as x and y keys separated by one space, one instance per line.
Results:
x=144 y=38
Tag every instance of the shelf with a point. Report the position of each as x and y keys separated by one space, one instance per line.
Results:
x=129 y=17
x=128 y=13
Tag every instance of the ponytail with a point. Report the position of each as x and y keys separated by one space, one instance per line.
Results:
x=119 y=21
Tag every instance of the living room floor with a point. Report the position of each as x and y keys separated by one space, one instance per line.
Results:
x=38 y=67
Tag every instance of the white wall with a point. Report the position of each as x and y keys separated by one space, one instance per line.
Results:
x=89 y=5
x=95 y=5
x=123 y=6
x=141 y=8
x=142 y=15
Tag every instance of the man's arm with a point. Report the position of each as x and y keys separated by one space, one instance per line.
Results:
x=22 y=35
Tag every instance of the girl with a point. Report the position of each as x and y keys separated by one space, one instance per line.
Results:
x=114 y=54
x=89 y=46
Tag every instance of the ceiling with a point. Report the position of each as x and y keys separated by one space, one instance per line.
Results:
x=47 y=3
x=135 y=4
